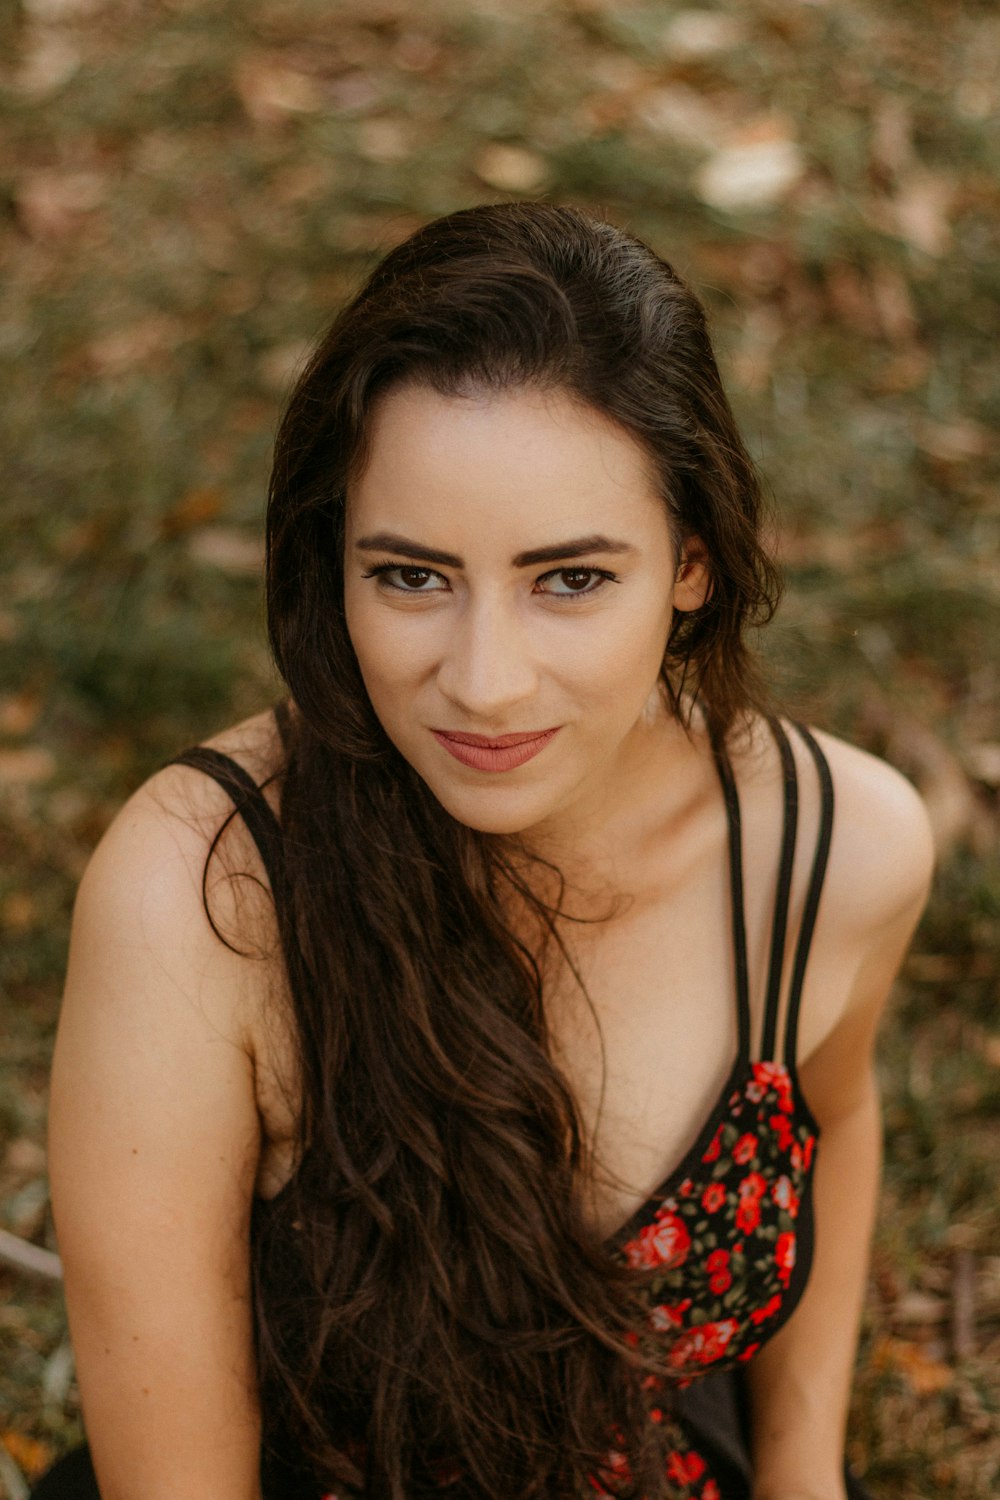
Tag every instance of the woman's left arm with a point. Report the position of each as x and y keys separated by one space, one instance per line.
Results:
x=800 y=1382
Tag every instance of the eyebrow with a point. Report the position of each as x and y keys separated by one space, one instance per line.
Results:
x=581 y=546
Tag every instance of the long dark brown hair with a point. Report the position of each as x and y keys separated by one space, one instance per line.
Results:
x=428 y=1292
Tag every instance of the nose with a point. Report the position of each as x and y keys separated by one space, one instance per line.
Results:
x=488 y=669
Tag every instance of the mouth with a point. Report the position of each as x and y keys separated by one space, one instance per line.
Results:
x=499 y=742
x=503 y=752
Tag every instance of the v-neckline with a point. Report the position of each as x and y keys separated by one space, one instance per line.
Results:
x=741 y=1063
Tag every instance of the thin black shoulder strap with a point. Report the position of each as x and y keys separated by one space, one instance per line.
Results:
x=783 y=889
x=734 y=820
x=814 y=892
x=250 y=803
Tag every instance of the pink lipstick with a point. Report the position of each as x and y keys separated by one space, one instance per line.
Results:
x=500 y=754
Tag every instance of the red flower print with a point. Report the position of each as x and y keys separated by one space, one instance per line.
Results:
x=761 y=1314
x=721 y=1277
x=685 y=1468
x=655 y=1414
x=748 y=1215
x=713 y=1197
x=711 y=1491
x=703 y=1344
x=745 y=1149
x=686 y=1188
x=618 y=1466
x=807 y=1154
x=785 y=1136
x=785 y=1196
x=796 y=1156
x=664 y=1243
x=774 y=1076
x=663 y=1318
x=751 y=1190
x=715 y=1146
x=748 y=1353
x=784 y=1254
x=753 y=1186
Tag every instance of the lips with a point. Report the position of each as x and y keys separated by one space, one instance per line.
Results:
x=497 y=742
x=503 y=753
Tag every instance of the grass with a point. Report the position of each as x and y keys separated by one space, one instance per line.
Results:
x=189 y=192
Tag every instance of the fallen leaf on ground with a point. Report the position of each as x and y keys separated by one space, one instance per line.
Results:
x=230 y=551
x=512 y=169
x=27 y=766
x=924 y=1373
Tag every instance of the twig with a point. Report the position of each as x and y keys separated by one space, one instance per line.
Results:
x=24 y=1256
x=963 y=1305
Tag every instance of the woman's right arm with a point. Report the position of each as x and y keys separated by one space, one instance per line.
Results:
x=154 y=1142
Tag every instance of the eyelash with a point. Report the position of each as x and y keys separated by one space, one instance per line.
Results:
x=379 y=570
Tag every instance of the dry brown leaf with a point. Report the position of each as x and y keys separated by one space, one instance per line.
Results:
x=920 y=209
x=27 y=766
x=126 y=348
x=681 y=113
x=195 y=507
x=512 y=169
x=18 y=912
x=24 y=1157
x=278 y=367
x=230 y=551
x=756 y=168
x=19 y=712
x=384 y=140
x=270 y=90
x=920 y=1307
x=27 y=1452
x=923 y=1371
x=954 y=442
x=983 y=762
x=49 y=61
x=701 y=33
x=51 y=203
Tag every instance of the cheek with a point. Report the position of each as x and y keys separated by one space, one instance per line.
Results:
x=389 y=654
x=629 y=650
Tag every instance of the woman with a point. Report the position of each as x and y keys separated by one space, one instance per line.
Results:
x=520 y=1086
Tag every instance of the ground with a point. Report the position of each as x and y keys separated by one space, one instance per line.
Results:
x=190 y=188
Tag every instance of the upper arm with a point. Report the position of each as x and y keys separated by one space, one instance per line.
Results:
x=154 y=1140
x=881 y=866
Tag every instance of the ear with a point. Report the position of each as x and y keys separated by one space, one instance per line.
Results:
x=693 y=579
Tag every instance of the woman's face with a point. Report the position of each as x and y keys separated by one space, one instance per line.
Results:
x=510 y=572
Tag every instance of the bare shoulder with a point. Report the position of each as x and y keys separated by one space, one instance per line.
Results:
x=882 y=854
x=173 y=857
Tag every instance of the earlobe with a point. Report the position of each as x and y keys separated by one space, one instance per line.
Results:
x=693 y=581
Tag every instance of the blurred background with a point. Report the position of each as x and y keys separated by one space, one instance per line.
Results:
x=188 y=191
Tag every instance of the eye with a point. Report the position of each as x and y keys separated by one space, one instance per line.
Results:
x=579 y=582
x=413 y=578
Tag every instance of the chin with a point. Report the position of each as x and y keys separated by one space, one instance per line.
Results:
x=485 y=813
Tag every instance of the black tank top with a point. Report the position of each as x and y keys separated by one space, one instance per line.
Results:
x=731 y=1228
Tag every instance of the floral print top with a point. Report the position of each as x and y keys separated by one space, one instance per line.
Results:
x=732 y=1241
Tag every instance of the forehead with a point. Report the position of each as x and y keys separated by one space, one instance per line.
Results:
x=519 y=461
